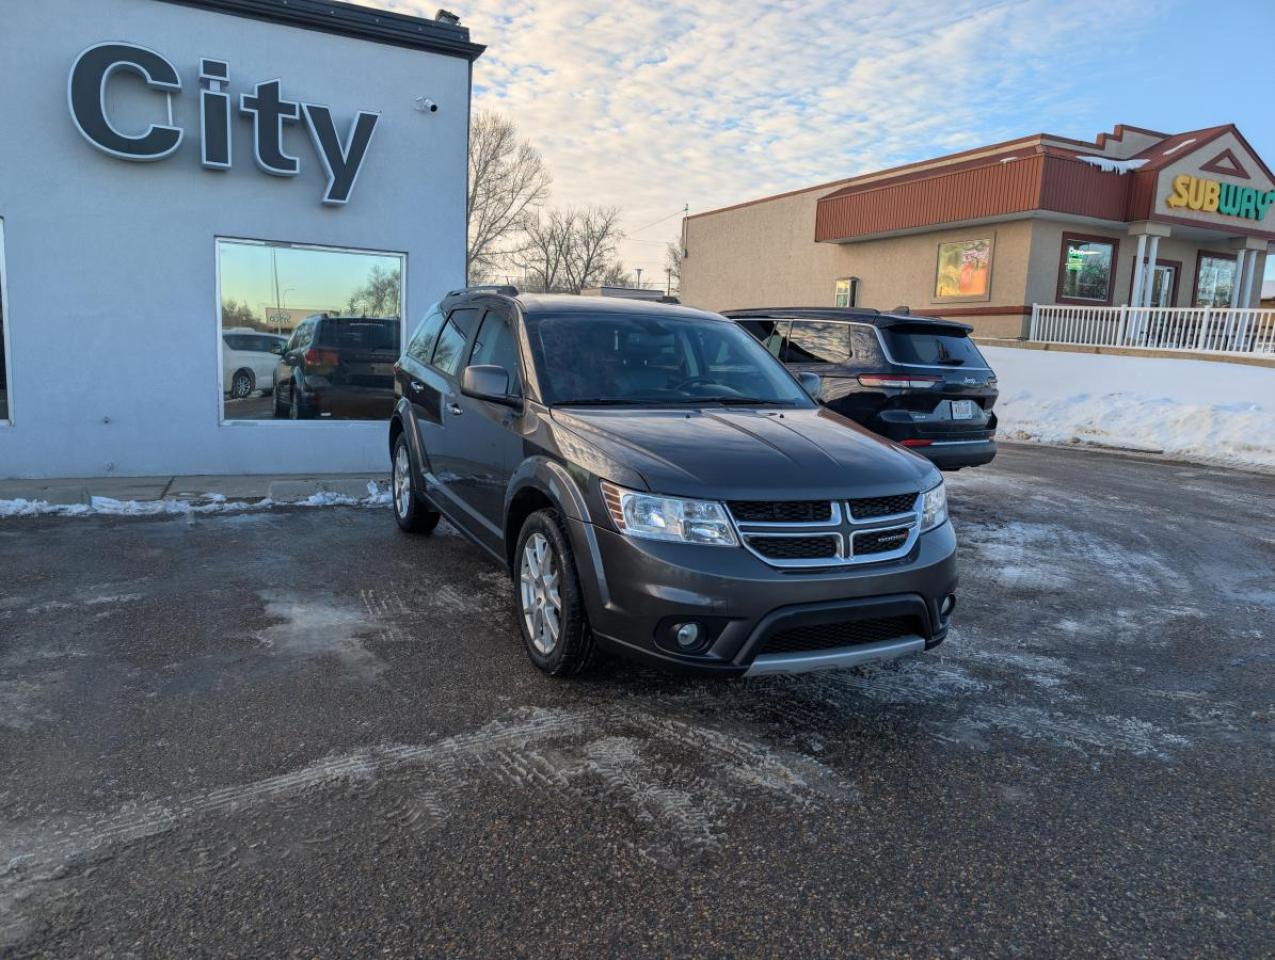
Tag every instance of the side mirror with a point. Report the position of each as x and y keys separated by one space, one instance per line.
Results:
x=812 y=383
x=487 y=381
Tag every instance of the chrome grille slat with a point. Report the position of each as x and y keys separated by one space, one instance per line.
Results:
x=872 y=536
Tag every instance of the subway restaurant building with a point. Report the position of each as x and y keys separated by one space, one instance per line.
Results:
x=1136 y=217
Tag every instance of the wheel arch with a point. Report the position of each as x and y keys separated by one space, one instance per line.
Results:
x=538 y=484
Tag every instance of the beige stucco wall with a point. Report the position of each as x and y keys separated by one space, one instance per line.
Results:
x=764 y=254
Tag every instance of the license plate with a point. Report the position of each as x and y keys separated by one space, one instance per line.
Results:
x=963 y=409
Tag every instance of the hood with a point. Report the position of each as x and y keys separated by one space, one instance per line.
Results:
x=746 y=454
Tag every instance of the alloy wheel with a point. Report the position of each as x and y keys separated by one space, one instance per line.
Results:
x=402 y=480
x=541 y=602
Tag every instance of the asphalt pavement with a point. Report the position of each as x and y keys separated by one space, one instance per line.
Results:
x=301 y=732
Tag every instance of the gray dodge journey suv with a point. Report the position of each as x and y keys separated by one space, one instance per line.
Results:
x=659 y=485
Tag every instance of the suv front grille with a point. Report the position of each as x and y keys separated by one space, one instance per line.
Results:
x=848 y=633
x=866 y=508
x=822 y=533
x=795 y=548
x=781 y=511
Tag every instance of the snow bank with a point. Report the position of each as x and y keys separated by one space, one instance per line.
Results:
x=1198 y=410
x=216 y=503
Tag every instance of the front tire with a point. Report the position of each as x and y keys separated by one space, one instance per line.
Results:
x=555 y=629
x=411 y=516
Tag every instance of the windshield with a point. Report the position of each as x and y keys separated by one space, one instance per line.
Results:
x=927 y=345
x=649 y=360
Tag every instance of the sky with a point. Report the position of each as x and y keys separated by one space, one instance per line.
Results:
x=653 y=105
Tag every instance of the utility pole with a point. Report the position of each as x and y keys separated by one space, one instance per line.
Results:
x=639 y=275
x=668 y=287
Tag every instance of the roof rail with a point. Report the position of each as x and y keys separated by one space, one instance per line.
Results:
x=504 y=289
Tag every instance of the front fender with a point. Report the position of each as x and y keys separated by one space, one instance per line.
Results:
x=555 y=481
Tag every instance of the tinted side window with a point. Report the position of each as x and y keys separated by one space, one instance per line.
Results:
x=495 y=344
x=450 y=349
x=817 y=341
x=770 y=332
x=422 y=345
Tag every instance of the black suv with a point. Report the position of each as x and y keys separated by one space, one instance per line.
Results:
x=918 y=380
x=340 y=367
x=657 y=484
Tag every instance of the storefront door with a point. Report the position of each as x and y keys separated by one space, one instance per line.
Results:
x=1162 y=285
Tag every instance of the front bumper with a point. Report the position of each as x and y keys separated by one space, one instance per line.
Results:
x=636 y=590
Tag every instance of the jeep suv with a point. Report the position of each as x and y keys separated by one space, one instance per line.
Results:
x=660 y=486
x=918 y=380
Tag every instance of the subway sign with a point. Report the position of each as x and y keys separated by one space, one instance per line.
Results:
x=1213 y=196
x=341 y=156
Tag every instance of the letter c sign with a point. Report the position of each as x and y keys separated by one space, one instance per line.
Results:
x=86 y=96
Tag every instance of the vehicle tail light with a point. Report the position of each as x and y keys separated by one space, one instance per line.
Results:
x=322 y=358
x=917 y=443
x=894 y=381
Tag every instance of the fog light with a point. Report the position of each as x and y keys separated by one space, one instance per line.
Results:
x=688 y=635
x=949 y=604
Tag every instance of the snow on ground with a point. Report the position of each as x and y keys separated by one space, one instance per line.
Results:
x=213 y=504
x=1199 y=410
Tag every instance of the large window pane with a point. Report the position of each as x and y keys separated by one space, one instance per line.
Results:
x=1214 y=281
x=308 y=333
x=1087 y=269
x=4 y=370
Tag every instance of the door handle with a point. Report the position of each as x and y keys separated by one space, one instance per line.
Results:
x=416 y=387
x=455 y=409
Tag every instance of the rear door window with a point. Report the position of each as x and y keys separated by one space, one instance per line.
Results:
x=817 y=341
x=769 y=332
x=451 y=342
x=422 y=345
x=924 y=344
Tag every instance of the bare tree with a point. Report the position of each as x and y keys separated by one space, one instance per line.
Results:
x=507 y=182
x=542 y=254
x=595 y=233
x=616 y=275
x=565 y=251
x=379 y=296
x=673 y=255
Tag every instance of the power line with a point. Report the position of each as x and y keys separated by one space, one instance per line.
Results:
x=653 y=223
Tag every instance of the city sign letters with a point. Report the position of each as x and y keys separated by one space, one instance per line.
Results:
x=342 y=159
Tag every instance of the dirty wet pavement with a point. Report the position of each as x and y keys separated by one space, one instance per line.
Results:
x=301 y=732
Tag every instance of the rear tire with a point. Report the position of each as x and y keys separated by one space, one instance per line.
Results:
x=547 y=598
x=242 y=384
x=412 y=517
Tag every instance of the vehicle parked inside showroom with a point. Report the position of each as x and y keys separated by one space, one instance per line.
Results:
x=660 y=486
x=248 y=360
x=920 y=381
x=340 y=367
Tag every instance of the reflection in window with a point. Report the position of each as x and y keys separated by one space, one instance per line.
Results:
x=1214 y=281
x=4 y=370
x=1087 y=266
x=816 y=341
x=308 y=332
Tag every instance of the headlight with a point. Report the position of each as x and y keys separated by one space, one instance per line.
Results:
x=656 y=517
x=934 y=508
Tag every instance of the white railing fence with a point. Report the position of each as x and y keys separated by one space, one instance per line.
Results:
x=1207 y=329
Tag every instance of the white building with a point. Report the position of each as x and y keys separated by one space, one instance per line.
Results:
x=173 y=166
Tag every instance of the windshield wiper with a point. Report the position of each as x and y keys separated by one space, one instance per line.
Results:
x=749 y=401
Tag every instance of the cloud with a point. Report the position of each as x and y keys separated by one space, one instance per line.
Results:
x=649 y=105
